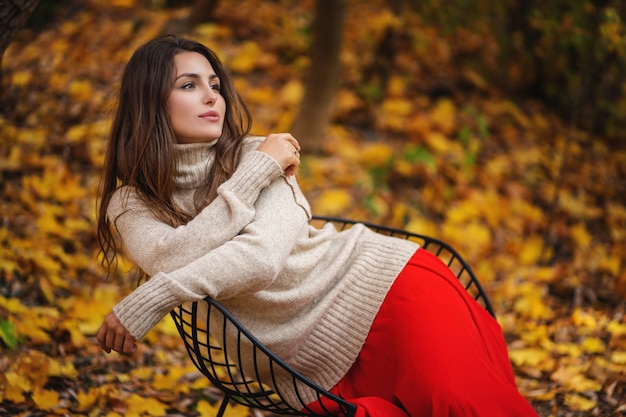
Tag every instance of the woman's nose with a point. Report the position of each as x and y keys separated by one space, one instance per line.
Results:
x=210 y=95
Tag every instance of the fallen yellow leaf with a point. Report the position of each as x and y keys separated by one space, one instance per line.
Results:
x=138 y=406
x=12 y=305
x=376 y=154
x=62 y=368
x=531 y=301
x=444 y=115
x=246 y=58
x=86 y=400
x=81 y=90
x=580 y=383
x=578 y=402
x=584 y=319
x=143 y=373
x=18 y=381
x=439 y=143
x=593 y=345
x=570 y=349
x=532 y=249
x=616 y=328
x=422 y=226
x=333 y=202
x=169 y=381
x=532 y=357
x=45 y=399
x=619 y=357
x=14 y=394
x=580 y=235
x=206 y=409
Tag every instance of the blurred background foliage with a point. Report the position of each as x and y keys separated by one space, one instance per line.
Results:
x=570 y=53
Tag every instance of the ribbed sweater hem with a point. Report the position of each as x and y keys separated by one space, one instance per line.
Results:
x=340 y=334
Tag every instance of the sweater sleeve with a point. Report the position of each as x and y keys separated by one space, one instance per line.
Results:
x=248 y=263
x=156 y=246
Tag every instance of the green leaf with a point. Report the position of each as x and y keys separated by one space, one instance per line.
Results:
x=7 y=334
x=419 y=154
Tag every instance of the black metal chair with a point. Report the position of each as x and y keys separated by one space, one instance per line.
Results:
x=211 y=352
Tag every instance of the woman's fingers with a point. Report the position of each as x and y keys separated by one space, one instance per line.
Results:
x=101 y=336
x=285 y=149
x=289 y=138
x=114 y=336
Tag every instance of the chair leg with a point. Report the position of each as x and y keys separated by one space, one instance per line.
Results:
x=223 y=405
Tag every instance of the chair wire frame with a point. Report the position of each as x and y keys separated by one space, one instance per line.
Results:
x=237 y=374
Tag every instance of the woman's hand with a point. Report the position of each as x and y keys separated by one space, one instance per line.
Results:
x=284 y=148
x=114 y=336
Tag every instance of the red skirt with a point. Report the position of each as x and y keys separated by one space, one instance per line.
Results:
x=432 y=351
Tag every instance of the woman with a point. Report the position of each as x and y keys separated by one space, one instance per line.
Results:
x=204 y=209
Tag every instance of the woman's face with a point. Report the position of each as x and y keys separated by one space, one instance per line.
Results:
x=195 y=105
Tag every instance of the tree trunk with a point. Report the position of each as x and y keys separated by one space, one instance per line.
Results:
x=13 y=15
x=201 y=11
x=323 y=74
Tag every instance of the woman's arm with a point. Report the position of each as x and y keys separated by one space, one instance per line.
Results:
x=248 y=263
x=158 y=247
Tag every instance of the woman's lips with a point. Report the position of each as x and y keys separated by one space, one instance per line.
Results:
x=211 y=116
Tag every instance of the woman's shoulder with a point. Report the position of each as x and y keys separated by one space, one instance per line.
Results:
x=250 y=143
x=124 y=198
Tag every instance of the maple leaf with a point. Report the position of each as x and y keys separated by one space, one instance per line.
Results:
x=45 y=399
x=17 y=381
x=138 y=406
x=87 y=399
x=13 y=393
x=206 y=409
x=170 y=380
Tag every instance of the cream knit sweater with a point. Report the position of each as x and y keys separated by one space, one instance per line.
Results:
x=309 y=294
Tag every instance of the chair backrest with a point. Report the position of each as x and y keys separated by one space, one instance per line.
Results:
x=218 y=354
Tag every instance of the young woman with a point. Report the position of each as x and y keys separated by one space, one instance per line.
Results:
x=204 y=209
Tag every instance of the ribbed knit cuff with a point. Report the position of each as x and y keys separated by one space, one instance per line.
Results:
x=142 y=309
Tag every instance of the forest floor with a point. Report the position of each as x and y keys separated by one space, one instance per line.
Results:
x=537 y=207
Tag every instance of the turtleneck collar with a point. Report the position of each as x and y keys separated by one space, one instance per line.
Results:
x=193 y=163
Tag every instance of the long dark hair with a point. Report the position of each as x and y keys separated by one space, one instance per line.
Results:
x=140 y=151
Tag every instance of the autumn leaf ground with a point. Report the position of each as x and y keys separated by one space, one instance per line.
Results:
x=537 y=208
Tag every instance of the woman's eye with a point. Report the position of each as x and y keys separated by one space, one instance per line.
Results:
x=215 y=87
x=187 y=86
